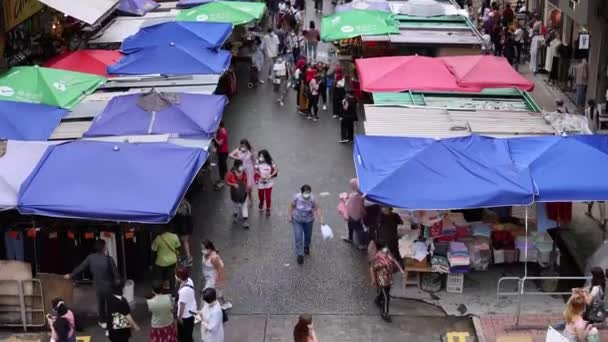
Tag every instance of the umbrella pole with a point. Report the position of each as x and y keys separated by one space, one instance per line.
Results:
x=122 y=247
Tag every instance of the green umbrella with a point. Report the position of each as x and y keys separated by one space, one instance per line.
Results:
x=54 y=87
x=354 y=23
x=235 y=12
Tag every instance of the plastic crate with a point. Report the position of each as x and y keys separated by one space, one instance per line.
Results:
x=455 y=283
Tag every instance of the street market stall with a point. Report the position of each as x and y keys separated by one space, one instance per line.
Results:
x=86 y=61
x=28 y=121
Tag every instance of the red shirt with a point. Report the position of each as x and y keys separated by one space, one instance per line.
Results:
x=222 y=135
x=231 y=177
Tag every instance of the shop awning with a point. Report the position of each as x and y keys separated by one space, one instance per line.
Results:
x=172 y=59
x=159 y=113
x=110 y=181
x=28 y=121
x=235 y=12
x=18 y=161
x=194 y=34
x=486 y=72
x=86 y=61
x=89 y=11
x=564 y=169
x=402 y=73
x=455 y=173
x=356 y=23
x=120 y=28
x=137 y=7
x=54 y=87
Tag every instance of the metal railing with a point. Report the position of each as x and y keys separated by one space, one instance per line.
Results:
x=23 y=298
x=521 y=281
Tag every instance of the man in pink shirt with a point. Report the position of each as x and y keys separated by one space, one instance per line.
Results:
x=355 y=209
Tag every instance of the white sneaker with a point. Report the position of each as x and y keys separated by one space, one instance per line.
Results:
x=281 y=103
x=226 y=306
x=261 y=81
x=324 y=107
x=102 y=325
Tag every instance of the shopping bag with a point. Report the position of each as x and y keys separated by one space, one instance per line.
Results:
x=326 y=232
x=554 y=336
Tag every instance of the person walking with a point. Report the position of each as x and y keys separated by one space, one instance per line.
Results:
x=381 y=273
x=212 y=317
x=313 y=98
x=577 y=329
x=257 y=64
x=270 y=44
x=236 y=179
x=186 y=305
x=349 y=116
x=246 y=155
x=183 y=226
x=355 y=210
x=120 y=321
x=389 y=223
x=61 y=322
x=319 y=6
x=518 y=39
x=304 y=330
x=221 y=140
x=105 y=274
x=162 y=324
x=280 y=79
x=508 y=47
x=339 y=92
x=322 y=69
x=213 y=271
x=312 y=41
x=265 y=170
x=302 y=211
x=166 y=246
x=301 y=87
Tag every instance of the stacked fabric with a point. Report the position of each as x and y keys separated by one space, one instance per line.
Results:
x=458 y=254
x=482 y=229
x=440 y=264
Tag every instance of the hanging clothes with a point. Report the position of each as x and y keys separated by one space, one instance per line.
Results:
x=13 y=244
x=561 y=212
x=543 y=222
x=552 y=52
x=110 y=239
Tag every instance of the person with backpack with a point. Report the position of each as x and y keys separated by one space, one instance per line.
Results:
x=105 y=274
x=166 y=246
x=236 y=179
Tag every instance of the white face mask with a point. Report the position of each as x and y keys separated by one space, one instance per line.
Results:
x=385 y=250
x=306 y=195
x=241 y=168
x=243 y=149
x=205 y=251
x=261 y=159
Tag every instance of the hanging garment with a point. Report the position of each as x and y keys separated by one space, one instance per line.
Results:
x=13 y=243
x=110 y=239
x=561 y=212
x=542 y=221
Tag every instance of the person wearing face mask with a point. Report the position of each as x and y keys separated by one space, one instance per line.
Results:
x=236 y=179
x=265 y=171
x=246 y=155
x=355 y=211
x=186 y=305
x=213 y=271
x=302 y=211
x=381 y=274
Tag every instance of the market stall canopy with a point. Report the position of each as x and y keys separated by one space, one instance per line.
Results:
x=355 y=23
x=455 y=173
x=137 y=7
x=28 y=121
x=172 y=59
x=564 y=168
x=401 y=73
x=16 y=164
x=191 y=3
x=89 y=11
x=378 y=5
x=426 y=8
x=474 y=71
x=87 y=61
x=54 y=87
x=160 y=113
x=110 y=181
x=119 y=28
x=194 y=34
x=235 y=12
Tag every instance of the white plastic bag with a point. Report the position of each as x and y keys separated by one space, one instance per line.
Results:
x=554 y=336
x=326 y=232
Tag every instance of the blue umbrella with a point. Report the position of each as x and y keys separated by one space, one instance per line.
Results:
x=183 y=114
x=172 y=59
x=137 y=7
x=28 y=121
x=202 y=34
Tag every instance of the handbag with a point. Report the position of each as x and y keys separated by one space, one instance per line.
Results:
x=224 y=316
x=596 y=312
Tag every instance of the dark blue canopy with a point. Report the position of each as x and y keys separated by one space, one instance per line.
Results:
x=28 y=121
x=564 y=169
x=172 y=59
x=419 y=173
x=188 y=33
x=192 y=115
x=137 y=7
x=191 y=3
x=110 y=181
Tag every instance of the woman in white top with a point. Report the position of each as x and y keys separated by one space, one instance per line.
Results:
x=265 y=171
x=246 y=155
x=212 y=318
x=213 y=271
x=186 y=305
x=594 y=309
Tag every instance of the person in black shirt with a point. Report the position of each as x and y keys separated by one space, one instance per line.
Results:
x=349 y=116
x=120 y=321
x=387 y=232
